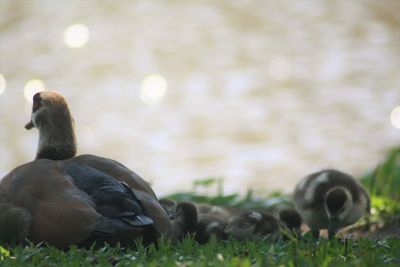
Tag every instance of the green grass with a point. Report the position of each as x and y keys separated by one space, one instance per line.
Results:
x=383 y=184
x=352 y=252
x=384 y=180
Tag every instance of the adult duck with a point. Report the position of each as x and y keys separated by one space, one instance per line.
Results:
x=65 y=199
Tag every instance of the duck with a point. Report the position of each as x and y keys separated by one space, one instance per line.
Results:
x=64 y=199
x=330 y=199
x=253 y=225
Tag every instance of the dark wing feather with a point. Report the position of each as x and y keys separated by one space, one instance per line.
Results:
x=139 y=186
x=112 y=198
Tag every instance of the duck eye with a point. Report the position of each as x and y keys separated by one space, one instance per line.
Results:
x=36 y=103
x=35 y=106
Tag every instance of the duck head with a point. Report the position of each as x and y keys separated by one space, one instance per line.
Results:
x=338 y=203
x=52 y=117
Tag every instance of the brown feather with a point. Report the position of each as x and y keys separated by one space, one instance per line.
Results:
x=15 y=223
x=61 y=213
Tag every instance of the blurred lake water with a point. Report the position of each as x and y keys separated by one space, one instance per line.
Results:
x=259 y=93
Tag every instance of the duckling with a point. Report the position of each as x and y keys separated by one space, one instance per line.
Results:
x=330 y=199
x=212 y=221
x=169 y=205
x=253 y=225
x=291 y=219
x=78 y=199
x=183 y=217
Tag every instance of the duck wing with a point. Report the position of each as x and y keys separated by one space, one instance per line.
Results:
x=112 y=198
x=116 y=170
x=141 y=189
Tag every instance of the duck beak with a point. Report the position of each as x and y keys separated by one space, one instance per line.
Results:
x=334 y=226
x=29 y=125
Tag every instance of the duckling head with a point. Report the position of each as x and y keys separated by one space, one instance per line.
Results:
x=52 y=117
x=291 y=219
x=338 y=203
x=169 y=205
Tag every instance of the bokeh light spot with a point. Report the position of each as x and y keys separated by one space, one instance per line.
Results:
x=153 y=89
x=2 y=84
x=31 y=88
x=76 y=35
x=395 y=117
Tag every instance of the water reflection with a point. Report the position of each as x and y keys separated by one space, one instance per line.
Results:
x=31 y=88
x=76 y=35
x=279 y=69
x=153 y=89
x=257 y=92
x=395 y=117
x=3 y=84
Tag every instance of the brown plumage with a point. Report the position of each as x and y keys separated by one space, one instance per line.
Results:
x=15 y=223
x=78 y=200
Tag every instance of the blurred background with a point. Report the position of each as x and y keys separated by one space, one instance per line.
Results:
x=257 y=93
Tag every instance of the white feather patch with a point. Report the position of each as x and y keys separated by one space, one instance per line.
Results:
x=256 y=215
x=216 y=209
x=310 y=191
x=301 y=184
x=212 y=226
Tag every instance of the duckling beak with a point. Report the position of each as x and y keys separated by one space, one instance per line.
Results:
x=29 y=125
x=334 y=226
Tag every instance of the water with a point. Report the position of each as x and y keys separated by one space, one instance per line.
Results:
x=259 y=93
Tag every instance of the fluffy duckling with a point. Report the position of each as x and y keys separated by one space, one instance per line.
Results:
x=169 y=205
x=330 y=199
x=291 y=219
x=212 y=221
x=183 y=217
x=207 y=222
x=253 y=225
x=78 y=200
x=208 y=227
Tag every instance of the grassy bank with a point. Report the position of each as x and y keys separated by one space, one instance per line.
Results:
x=350 y=252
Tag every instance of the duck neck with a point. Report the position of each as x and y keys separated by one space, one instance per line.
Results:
x=57 y=140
